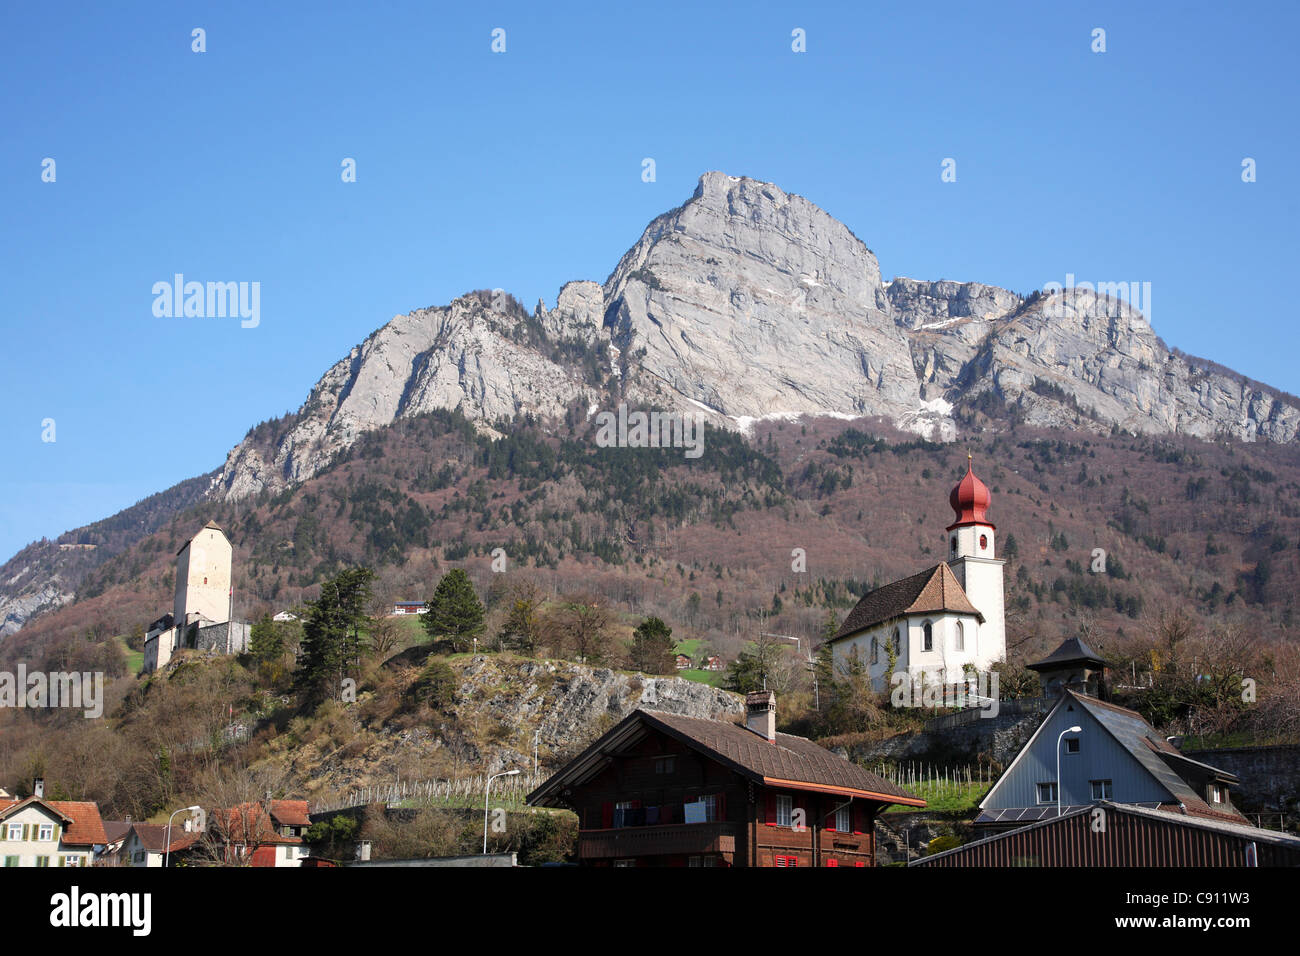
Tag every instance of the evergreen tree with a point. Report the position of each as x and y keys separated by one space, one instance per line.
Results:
x=454 y=613
x=652 y=647
x=331 y=645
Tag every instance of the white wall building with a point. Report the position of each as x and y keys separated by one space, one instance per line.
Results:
x=945 y=620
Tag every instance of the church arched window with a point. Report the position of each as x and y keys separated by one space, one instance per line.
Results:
x=961 y=636
x=898 y=640
x=928 y=630
x=875 y=650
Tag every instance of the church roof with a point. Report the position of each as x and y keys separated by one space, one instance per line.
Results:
x=1072 y=651
x=931 y=591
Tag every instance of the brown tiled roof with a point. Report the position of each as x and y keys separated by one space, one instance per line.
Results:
x=115 y=830
x=83 y=826
x=153 y=837
x=932 y=590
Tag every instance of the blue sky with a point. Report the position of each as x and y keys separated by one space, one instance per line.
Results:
x=522 y=170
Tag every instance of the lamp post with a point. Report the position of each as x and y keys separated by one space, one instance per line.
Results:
x=1068 y=730
x=486 y=794
x=167 y=850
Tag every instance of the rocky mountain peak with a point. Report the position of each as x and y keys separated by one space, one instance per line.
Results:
x=750 y=302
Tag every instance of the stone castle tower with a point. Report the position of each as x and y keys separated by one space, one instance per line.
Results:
x=203 y=577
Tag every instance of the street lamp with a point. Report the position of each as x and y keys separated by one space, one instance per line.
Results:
x=167 y=850
x=1067 y=730
x=487 y=792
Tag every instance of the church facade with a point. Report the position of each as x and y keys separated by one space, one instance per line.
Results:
x=941 y=623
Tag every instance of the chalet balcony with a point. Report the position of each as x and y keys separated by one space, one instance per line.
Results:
x=666 y=840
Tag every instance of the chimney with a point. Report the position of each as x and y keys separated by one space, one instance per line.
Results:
x=760 y=713
x=38 y=787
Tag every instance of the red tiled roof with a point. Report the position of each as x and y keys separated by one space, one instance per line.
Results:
x=82 y=823
x=249 y=823
x=290 y=813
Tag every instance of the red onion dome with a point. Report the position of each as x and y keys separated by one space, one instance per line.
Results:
x=970 y=499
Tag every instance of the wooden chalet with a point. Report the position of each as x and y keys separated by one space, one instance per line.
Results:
x=666 y=790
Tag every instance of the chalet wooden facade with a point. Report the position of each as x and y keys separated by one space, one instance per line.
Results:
x=665 y=790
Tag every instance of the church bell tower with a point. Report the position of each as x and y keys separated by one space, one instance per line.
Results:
x=972 y=557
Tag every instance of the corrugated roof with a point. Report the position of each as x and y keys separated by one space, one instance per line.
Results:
x=1149 y=849
x=930 y=591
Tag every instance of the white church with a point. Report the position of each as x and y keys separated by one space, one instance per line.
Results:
x=944 y=621
x=203 y=607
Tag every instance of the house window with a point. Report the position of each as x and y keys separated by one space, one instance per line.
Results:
x=928 y=642
x=1047 y=792
x=961 y=636
x=702 y=861
x=710 y=808
x=787 y=861
x=72 y=861
x=784 y=809
x=46 y=832
x=625 y=862
x=1071 y=745
x=665 y=764
x=875 y=651
x=842 y=822
x=623 y=812
x=1102 y=790
x=15 y=831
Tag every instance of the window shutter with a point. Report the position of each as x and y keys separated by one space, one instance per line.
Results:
x=606 y=815
x=61 y=859
x=27 y=828
x=771 y=809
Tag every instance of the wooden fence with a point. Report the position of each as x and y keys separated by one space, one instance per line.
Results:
x=465 y=791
